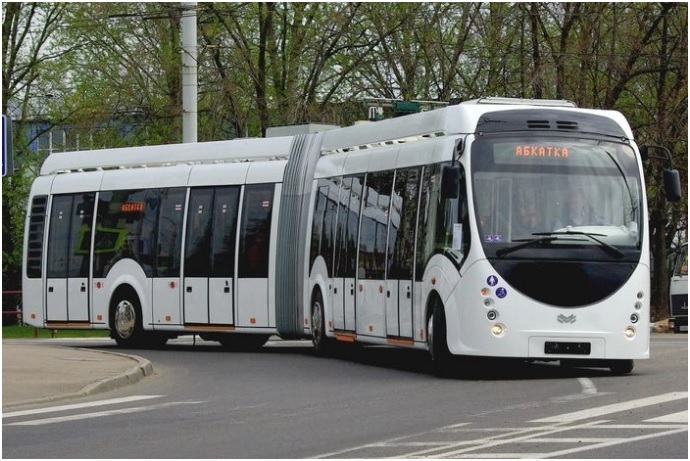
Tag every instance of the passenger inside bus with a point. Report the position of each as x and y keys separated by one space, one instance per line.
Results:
x=580 y=212
x=526 y=220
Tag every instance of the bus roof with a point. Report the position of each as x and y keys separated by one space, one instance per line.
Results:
x=457 y=119
x=452 y=120
x=237 y=150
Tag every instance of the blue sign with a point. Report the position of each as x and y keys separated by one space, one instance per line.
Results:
x=492 y=280
x=501 y=292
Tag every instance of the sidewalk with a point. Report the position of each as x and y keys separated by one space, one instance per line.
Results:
x=36 y=373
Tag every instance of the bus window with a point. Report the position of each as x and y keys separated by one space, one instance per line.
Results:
x=402 y=230
x=198 y=251
x=255 y=231
x=169 y=235
x=224 y=227
x=373 y=232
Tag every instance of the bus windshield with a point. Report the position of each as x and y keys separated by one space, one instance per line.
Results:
x=556 y=192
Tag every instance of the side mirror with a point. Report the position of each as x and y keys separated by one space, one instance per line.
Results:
x=450 y=182
x=672 y=185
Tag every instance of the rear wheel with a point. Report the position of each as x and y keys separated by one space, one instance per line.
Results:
x=125 y=320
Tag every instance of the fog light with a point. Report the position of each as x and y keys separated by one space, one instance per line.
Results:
x=491 y=315
x=630 y=332
x=498 y=329
x=488 y=302
x=634 y=318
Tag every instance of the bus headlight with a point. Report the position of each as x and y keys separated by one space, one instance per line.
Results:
x=630 y=332
x=498 y=329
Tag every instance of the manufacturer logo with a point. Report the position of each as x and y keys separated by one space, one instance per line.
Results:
x=566 y=319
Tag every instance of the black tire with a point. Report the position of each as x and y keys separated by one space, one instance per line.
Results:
x=125 y=320
x=621 y=367
x=322 y=344
x=441 y=358
x=238 y=342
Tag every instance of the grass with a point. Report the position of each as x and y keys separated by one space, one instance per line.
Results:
x=29 y=332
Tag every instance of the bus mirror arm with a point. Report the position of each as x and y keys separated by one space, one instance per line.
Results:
x=671 y=175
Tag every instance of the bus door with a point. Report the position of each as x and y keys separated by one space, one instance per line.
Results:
x=400 y=257
x=346 y=249
x=374 y=290
x=69 y=256
x=210 y=256
x=253 y=259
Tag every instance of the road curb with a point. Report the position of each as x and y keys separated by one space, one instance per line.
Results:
x=142 y=369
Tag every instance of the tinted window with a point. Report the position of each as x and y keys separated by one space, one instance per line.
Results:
x=199 y=220
x=373 y=233
x=128 y=227
x=323 y=228
x=348 y=226
x=58 y=236
x=425 y=225
x=225 y=208
x=169 y=235
x=69 y=240
x=255 y=231
x=401 y=234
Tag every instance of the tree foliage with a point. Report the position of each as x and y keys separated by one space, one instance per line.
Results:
x=111 y=66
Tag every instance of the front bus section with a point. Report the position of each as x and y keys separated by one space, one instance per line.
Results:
x=561 y=266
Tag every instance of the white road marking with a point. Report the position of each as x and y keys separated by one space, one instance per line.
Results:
x=557 y=430
x=613 y=408
x=122 y=411
x=680 y=417
x=77 y=406
x=588 y=386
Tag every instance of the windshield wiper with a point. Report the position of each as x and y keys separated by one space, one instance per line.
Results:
x=507 y=250
x=610 y=249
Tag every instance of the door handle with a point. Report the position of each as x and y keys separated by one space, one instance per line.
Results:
x=226 y=289
x=189 y=289
x=50 y=289
x=83 y=289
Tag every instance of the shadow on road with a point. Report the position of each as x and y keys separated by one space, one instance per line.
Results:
x=402 y=360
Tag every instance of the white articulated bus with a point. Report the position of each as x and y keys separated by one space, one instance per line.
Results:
x=496 y=227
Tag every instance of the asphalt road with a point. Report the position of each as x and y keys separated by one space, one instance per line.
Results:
x=284 y=402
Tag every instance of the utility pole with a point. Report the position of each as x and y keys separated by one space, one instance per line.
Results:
x=189 y=72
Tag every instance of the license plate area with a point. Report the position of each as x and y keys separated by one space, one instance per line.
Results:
x=567 y=348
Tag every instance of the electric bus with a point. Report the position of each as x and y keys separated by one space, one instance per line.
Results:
x=496 y=228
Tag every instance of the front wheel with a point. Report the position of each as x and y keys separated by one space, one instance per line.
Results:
x=621 y=367
x=322 y=344
x=437 y=343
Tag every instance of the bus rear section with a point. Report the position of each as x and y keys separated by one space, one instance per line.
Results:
x=180 y=245
x=678 y=290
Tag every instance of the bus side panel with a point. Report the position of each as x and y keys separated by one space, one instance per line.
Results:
x=252 y=303
x=371 y=304
x=33 y=292
x=166 y=301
